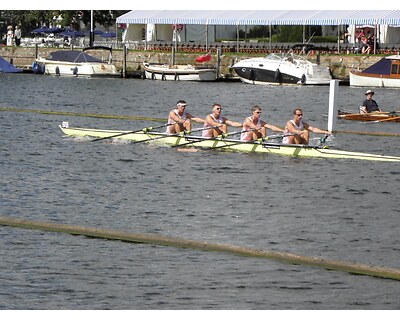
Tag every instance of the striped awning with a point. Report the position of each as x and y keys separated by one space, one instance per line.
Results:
x=262 y=17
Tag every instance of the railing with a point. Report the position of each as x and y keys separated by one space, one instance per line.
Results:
x=234 y=46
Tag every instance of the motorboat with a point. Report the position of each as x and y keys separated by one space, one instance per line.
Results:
x=75 y=63
x=188 y=72
x=384 y=73
x=282 y=69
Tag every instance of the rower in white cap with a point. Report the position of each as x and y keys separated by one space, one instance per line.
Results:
x=181 y=119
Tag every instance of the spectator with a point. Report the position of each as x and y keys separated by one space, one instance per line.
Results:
x=17 y=36
x=10 y=36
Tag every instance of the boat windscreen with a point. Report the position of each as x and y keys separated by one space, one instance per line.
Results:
x=72 y=56
x=381 y=67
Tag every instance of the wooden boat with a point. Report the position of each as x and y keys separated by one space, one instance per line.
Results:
x=384 y=73
x=373 y=116
x=225 y=144
x=155 y=71
x=74 y=63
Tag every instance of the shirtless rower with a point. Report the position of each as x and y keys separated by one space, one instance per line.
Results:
x=298 y=131
x=256 y=128
x=180 y=119
x=218 y=122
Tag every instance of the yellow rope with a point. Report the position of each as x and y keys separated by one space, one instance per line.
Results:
x=78 y=114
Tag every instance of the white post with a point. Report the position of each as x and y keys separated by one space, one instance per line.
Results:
x=332 y=115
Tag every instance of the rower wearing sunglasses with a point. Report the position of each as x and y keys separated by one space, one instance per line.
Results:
x=254 y=128
x=297 y=131
x=215 y=124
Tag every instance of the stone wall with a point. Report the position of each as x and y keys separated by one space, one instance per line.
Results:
x=339 y=64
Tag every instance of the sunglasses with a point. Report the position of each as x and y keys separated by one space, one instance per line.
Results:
x=299 y=114
x=258 y=112
x=218 y=108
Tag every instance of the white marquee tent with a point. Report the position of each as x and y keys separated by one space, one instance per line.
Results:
x=387 y=20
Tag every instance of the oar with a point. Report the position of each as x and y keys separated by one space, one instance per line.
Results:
x=145 y=130
x=388 y=119
x=261 y=141
x=221 y=137
x=183 y=133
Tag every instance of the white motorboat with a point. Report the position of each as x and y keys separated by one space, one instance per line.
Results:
x=76 y=64
x=282 y=69
x=156 y=71
x=384 y=73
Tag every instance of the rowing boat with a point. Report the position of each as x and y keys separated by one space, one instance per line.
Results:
x=372 y=116
x=294 y=150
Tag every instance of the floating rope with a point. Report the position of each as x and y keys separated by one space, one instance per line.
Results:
x=205 y=246
x=388 y=134
x=78 y=114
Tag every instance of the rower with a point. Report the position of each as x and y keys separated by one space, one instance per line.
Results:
x=369 y=104
x=181 y=119
x=297 y=131
x=216 y=123
x=254 y=128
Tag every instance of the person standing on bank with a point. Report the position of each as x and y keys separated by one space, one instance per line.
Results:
x=216 y=120
x=254 y=127
x=181 y=120
x=369 y=104
x=17 y=36
x=297 y=131
x=10 y=36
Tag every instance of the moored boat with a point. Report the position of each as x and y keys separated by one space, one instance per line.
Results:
x=372 y=116
x=282 y=69
x=384 y=73
x=75 y=63
x=6 y=67
x=224 y=144
x=155 y=71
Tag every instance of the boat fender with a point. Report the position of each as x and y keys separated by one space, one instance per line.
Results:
x=303 y=79
x=57 y=71
x=163 y=76
x=153 y=76
x=252 y=75
x=37 y=68
x=278 y=76
x=176 y=78
x=75 y=71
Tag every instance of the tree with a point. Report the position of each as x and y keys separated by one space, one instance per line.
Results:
x=31 y=19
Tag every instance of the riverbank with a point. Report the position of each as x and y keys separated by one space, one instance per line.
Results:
x=340 y=65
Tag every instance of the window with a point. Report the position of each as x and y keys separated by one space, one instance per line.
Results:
x=394 y=68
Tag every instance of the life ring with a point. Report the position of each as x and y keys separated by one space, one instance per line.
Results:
x=278 y=76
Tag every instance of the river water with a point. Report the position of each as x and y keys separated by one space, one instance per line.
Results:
x=334 y=209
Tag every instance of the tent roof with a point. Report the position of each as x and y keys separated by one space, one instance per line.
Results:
x=262 y=17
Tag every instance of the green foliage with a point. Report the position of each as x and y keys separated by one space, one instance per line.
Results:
x=320 y=39
x=290 y=34
x=31 y=19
